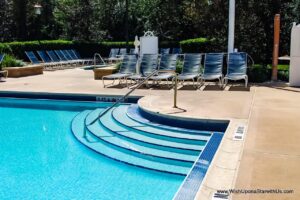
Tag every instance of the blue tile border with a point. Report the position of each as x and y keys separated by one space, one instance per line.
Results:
x=193 y=181
x=67 y=96
x=190 y=123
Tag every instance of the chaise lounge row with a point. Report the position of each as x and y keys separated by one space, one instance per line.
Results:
x=57 y=58
x=164 y=69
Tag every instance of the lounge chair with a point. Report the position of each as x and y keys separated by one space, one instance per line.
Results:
x=237 y=67
x=70 y=58
x=55 y=59
x=63 y=58
x=3 y=73
x=75 y=54
x=113 y=55
x=128 y=68
x=213 y=66
x=164 y=51
x=176 y=50
x=132 y=51
x=32 y=57
x=166 y=68
x=148 y=66
x=122 y=52
x=190 y=69
x=46 y=59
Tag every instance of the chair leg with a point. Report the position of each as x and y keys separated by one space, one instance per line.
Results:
x=103 y=82
x=225 y=82
x=246 y=82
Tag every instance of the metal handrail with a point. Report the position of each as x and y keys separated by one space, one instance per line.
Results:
x=95 y=56
x=123 y=97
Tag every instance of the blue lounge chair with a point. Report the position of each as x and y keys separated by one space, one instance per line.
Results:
x=213 y=67
x=176 y=50
x=132 y=51
x=164 y=51
x=77 y=56
x=70 y=58
x=122 y=52
x=32 y=57
x=62 y=57
x=237 y=67
x=190 y=69
x=3 y=73
x=45 y=58
x=55 y=59
x=1 y=58
x=148 y=66
x=128 y=68
x=113 y=55
x=166 y=68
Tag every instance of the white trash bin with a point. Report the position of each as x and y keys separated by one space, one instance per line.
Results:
x=295 y=56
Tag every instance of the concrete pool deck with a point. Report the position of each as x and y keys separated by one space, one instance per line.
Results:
x=269 y=157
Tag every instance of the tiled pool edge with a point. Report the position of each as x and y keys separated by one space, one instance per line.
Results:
x=192 y=182
x=223 y=170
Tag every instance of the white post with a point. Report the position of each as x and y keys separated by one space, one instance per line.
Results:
x=231 y=26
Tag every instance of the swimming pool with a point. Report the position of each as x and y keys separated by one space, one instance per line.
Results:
x=41 y=158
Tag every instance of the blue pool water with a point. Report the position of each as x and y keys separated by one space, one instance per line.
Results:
x=41 y=159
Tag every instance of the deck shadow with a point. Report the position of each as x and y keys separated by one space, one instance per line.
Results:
x=240 y=88
x=187 y=87
x=213 y=88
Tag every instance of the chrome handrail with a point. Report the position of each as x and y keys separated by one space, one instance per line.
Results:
x=123 y=97
x=95 y=61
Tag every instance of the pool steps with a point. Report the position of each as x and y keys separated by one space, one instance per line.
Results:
x=100 y=147
x=127 y=138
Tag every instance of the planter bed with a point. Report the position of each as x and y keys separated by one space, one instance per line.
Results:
x=15 y=72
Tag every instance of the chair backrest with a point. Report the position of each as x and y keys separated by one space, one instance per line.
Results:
x=113 y=53
x=123 y=51
x=53 y=56
x=148 y=64
x=75 y=53
x=176 y=50
x=191 y=64
x=237 y=63
x=1 y=58
x=32 y=57
x=168 y=62
x=67 y=55
x=128 y=65
x=72 y=54
x=60 y=55
x=131 y=51
x=43 y=55
x=164 y=50
x=213 y=63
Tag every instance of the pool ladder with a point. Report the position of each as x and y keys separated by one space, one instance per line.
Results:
x=122 y=99
x=100 y=57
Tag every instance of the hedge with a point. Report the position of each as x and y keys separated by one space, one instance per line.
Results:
x=199 y=45
x=5 y=49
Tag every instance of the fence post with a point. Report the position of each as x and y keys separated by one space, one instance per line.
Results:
x=276 y=46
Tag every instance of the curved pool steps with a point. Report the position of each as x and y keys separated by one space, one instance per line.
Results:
x=108 y=121
x=150 y=152
x=134 y=112
x=79 y=131
x=120 y=114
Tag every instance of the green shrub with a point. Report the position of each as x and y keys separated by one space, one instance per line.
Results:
x=18 y=48
x=198 y=45
x=169 y=44
x=259 y=74
x=10 y=61
x=5 y=49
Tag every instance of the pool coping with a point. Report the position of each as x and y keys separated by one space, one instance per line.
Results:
x=67 y=96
